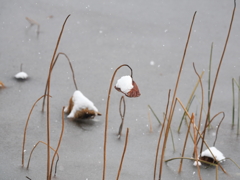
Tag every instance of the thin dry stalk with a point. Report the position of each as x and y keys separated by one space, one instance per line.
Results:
x=234 y=162
x=173 y=99
x=160 y=135
x=190 y=101
x=201 y=109
x=25 y=129
x=32 y=22
x=218 y=70
x=218 y=128
x=53 y=64
x=154 y=115
x=216 y=172
x=238 y=123
x=123 y=154
x=122 y=115
x=185 y=142
x=233 y=106
x=209 y=77
x=195 y=148
x=59 y=143
x=150 y=123
x=106 y=120
x=210 y=123
x=33 y=150
x=48 y=100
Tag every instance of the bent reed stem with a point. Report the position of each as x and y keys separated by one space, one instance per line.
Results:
x=48 y=100
x=173 y=98
x=25 y=129
x=106 y=119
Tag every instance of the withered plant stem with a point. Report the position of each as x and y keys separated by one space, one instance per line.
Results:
x=123 y=154
x=25 y=129
x=190 y=100
x=233 y=106
x=121 y=114
x=195 y=148
x=59 y=143
x=155 y=115
x=160 y=136
x=48 y=101
x=218 y=70
x=185 y=142
x=202 y=94
x=238 y=123
x=173 y=99
x=106 y=120
x=233 y=109
x=34 y=149
x=209 y=77
x=150 y=122
x=204 y=130
x=53 y=64
x=218 y=128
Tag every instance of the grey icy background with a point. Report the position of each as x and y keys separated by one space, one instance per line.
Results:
x=99 y=36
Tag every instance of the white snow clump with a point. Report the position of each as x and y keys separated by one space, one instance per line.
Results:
x=125 y=84
x=218 y=155
x=21 y=75
x=80 y=102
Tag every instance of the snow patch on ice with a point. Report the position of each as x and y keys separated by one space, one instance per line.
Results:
x=21 y=75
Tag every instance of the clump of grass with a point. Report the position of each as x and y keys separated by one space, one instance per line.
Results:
x=196 y=129
x=173 y=103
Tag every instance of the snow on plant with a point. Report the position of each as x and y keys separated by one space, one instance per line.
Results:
x=80 y=107
x=21 y=74
x=127 y=86
x=207 y=155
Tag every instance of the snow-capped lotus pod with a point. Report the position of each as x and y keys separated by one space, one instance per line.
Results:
x=21 y=75
x=80 y=107
x=207 y=156
x=127 y=86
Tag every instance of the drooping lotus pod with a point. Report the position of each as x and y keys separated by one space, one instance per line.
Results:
x=80 y=107
x=127 y=86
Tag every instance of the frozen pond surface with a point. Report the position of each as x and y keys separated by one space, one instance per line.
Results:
x=99 y=36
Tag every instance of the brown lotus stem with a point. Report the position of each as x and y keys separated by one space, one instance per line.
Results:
x=48 y=101
x=195 y=149
x=201 y=85
x=33 y=150
x=59 y=143
x=218 y=70
x=25 y=129
x=185 y=142
x=123 y=154
x=160 y=136
x=121 y=114
x=106 y=120
x=70 y=64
